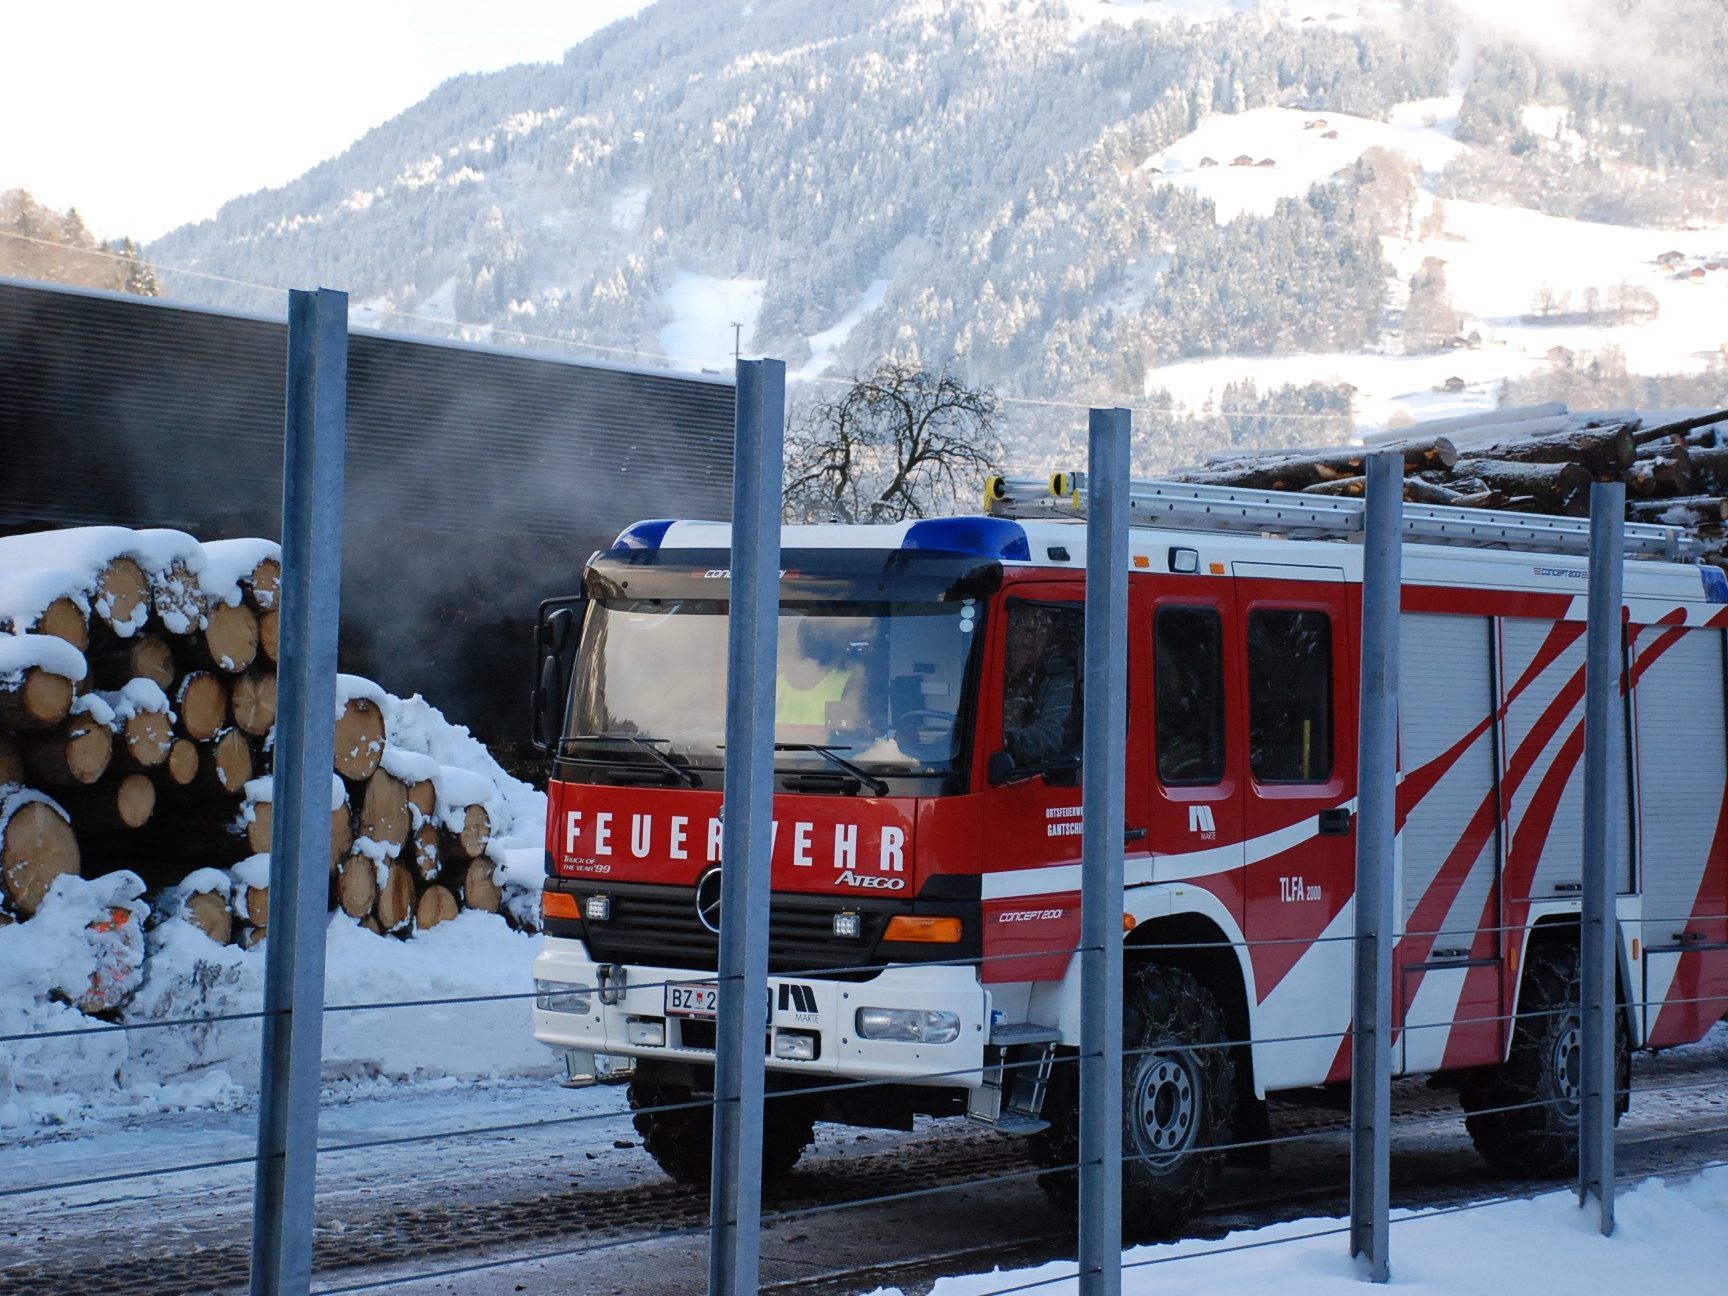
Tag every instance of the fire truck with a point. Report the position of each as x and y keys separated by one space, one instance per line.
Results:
x=925 y=912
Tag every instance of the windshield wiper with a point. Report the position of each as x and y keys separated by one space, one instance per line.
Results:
x=645 y=744
x=832 y=755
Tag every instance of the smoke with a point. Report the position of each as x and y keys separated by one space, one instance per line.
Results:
x=1641 y=39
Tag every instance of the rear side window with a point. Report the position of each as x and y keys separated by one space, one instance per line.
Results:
x=1188 y=676
x=1290 y=695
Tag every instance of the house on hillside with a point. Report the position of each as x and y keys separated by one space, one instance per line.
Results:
x=1331 y=134
x=1267 y=162
x=1242 y=159
x=1670 y=258
x=1453 y=384
x=1319 y=123
x=1208 y=161
x=1563 y=356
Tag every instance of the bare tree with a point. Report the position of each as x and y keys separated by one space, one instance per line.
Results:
x=901 y=443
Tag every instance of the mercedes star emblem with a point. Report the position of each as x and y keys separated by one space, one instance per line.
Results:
x=708 y=900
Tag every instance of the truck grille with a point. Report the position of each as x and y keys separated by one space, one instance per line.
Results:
x=657 y=926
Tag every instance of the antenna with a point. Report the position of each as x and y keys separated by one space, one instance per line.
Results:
x=737 y=339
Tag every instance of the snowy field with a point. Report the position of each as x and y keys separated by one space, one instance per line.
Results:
x=1670 y=1237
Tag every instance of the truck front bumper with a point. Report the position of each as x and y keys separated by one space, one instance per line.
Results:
x=813 y=1024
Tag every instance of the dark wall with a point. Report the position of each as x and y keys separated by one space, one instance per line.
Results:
x=479 y=479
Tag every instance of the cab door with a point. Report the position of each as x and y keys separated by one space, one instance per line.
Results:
x=1296 y=632
x=1029 y=725
x=1196 y=711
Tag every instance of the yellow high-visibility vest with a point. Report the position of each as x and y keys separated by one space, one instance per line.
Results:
x=808 y=706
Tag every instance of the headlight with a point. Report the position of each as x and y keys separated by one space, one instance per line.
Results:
x=561 y=996
x=911 y=1025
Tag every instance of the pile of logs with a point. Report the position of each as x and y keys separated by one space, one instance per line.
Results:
x=137 y=704
x=1539 y=459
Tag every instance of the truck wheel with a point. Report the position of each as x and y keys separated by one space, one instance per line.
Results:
x=1179 y=1100
x=682 y=1142
x=1523 y=1115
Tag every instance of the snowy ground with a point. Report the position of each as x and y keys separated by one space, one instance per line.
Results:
x=1669 y=1237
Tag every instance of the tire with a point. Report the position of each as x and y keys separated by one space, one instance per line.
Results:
x=1179 y=1103
x=682 y=1142
x=1541 y=1078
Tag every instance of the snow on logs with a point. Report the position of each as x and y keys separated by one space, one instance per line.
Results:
x=1536 y=459
x=133 y=697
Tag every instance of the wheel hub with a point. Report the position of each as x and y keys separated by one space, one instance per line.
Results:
x=1569 y=1064
x=1164 y=1107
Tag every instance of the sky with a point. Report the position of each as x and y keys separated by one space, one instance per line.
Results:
x=150 y=114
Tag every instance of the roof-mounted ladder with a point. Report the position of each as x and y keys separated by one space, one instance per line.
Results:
x=1184 y=507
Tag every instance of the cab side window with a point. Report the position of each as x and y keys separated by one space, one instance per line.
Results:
x=1290 y=695
x=1188 y=677
x=1042 y=698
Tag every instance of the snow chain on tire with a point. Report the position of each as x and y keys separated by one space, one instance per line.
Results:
x=1539 y=1135
x=682 y=1142
x=1178 y=1103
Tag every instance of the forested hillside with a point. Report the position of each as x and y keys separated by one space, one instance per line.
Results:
x=1085 y=200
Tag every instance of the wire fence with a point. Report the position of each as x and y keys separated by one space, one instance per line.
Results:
x=1293 y=1125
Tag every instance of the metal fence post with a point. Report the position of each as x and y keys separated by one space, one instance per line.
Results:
x=1598 y=934
x=735 y=1210
x=314 y=439
x=1376 y=846
x=1103 y=811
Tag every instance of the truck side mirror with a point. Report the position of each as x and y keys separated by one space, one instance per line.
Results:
x=1000 y=769
x=555 y=636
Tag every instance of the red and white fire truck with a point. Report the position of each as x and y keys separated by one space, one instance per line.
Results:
x=927 y=816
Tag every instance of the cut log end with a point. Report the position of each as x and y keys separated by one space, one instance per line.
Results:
x=470 y=842
x=436 y=906
x=356 y=886
x=202 y=704
x=144 y=656
x=263 y=585
x=479 y=891
x=359 y=739
x=181 y=767
x=122 y=592
x=64 y=619
x=208 y=912
x=225 y=763
x=36 y=846
x=229 y=642
x=269 y=627
x=34 y=699
x=396 y=900
x=143 y=741
x=384 y=813
x=134 y=800
x=254 y=700
x=74 y=755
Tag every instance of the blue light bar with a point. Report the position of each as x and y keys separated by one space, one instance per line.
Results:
x=985 y=536
x=644 y=536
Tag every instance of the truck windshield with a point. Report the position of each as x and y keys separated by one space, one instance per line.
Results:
x=880 y=683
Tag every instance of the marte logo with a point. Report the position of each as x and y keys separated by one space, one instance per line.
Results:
x=708 y=900
x=797 y=998
x=1200 y=820
x=869 y=882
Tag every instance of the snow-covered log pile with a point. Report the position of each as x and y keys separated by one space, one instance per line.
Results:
x=137 y=721
x=1534 y=458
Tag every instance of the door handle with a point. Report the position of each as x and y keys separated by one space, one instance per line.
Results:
x=1336 y=821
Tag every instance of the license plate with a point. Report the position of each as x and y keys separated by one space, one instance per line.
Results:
x=692 y=999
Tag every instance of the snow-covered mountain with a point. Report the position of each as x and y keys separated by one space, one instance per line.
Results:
x=1100 y=200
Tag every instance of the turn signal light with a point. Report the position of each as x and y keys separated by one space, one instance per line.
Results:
x=559 y=904
x=924 y=929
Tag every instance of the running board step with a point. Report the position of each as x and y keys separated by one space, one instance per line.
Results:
x=1023 y=1033
x=1018 y=1124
